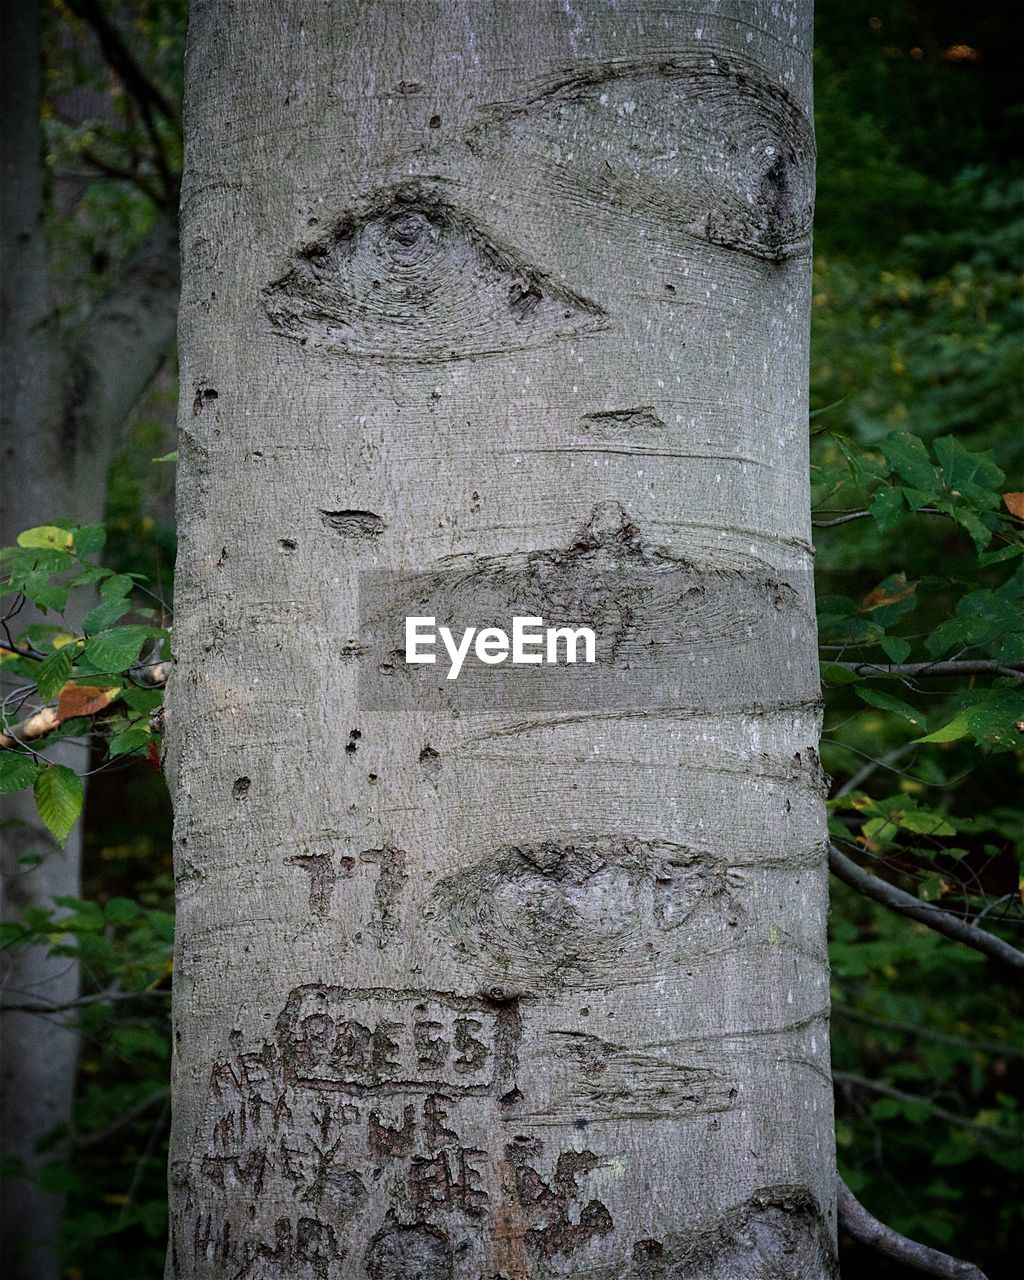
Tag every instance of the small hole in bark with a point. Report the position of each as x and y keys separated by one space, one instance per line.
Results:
x=435 y=122
x=288 y=544
x=240 y=787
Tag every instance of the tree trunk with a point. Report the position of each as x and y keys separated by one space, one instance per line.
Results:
x=497 y=309
x=63 y=413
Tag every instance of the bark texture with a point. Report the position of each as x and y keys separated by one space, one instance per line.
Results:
x=508 y=295
x=64 y=407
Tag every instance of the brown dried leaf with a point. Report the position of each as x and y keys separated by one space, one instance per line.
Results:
x=1014 y=503
x=83 y=700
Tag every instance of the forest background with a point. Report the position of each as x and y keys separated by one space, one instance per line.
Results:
x=917 y=448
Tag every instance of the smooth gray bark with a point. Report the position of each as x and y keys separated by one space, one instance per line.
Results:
x=498 y=298
x=64 y=408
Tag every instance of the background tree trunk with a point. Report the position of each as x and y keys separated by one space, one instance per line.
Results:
x=505 y=304
x=64 y=410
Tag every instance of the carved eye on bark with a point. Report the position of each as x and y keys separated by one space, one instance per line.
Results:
x=411 y=277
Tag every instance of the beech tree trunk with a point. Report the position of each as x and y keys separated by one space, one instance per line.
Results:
x=64 y=408
x=495 y=309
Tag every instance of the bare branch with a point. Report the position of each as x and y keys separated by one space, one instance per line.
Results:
x=120 y=58
x=149 y=98
x=943 y=1113
x=937 y=918
x=863 y=515
x=86 y=1140
x=955 y=667
x=863 y=1227
x=998 y=1048
x=109 y=170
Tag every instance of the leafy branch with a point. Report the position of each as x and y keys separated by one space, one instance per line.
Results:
x=73 y=681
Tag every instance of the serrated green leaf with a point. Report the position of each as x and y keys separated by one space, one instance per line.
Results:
x=116 y=649
x=130 y=739
x=142 y=701
x=38 y=588
x=52 y=674
x=925 y=822
x=109 y=610
x=89 y=539
x=118 y=584
x=17 y=771
x=59 y=796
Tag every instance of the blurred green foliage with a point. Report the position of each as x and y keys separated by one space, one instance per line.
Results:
x=916 y=438
x=918 y=314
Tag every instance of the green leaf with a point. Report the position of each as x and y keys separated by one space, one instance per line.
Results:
x=886 y=702
x=835 y=675
x=121 y=910
x=89 y=539
x=17 y=771
x=925 y=822
x=129 y=739
x=116 y=649
x=956 y=729
x=975 y=476
x=48 y=537
x=108 y=611
x=44 y=593
x=907 y=456
x=59 y=796
x=895 y=648
x=142 y=701
x=888 y=507
x=168 y=457
x=118 y=584
x=53 y=672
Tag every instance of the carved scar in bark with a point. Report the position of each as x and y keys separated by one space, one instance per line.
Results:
x=406 y=275
x=585 y=910
x=710 y=146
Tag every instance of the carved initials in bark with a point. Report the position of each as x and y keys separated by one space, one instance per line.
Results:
x=408 y=276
